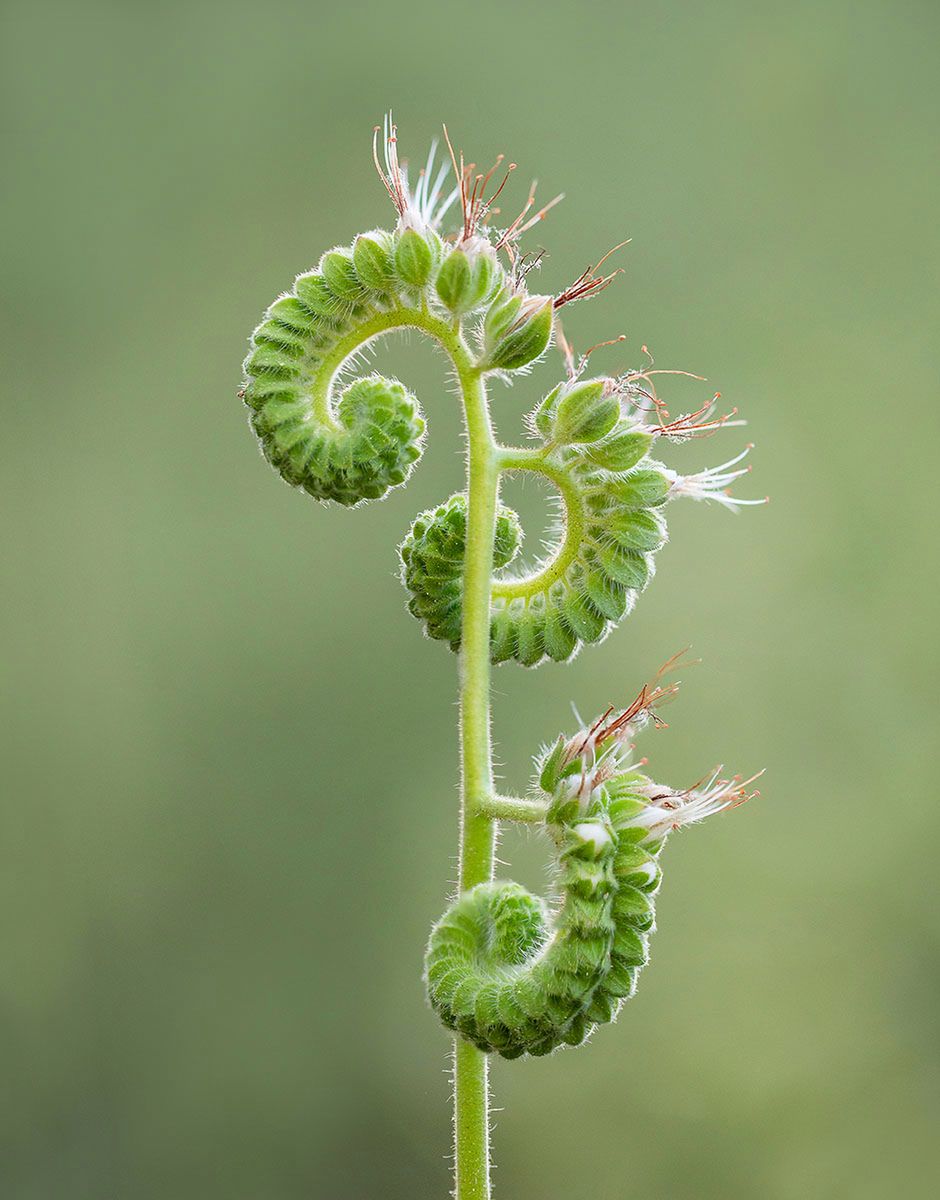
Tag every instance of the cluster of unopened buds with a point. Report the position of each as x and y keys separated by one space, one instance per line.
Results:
x=508 y=971
x=517 y=978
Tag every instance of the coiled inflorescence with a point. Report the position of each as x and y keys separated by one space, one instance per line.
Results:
x=513 y=975
x=509 y=972
x=613 y=524
x=371 y=440
x=593 y=437
x=595 y=449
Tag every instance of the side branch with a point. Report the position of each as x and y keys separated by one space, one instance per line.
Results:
x=514 y=808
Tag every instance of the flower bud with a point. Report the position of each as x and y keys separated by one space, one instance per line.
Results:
x=373 y=260
x=314 y=294
x=464 y=280
x=290 y=312
x=592 y=840
x=543 y=414
x=501 y=315
x=414 y=259
x=525 y=340
x=643 y=488
x=455 y=281
x=622 y=451
x=586 y=412
x=339 y=274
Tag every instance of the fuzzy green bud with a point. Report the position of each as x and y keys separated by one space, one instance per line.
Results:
x=372 y=259
x=339 y=274
x=414 y=259
x=622 y=450
x=643 y=488
x=526 y=340
x=464 y=280
x=543 y=414
x=586 y=412
x=455 y=281
x=501 y=315
x=314 y=294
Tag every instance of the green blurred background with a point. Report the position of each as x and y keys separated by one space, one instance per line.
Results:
x=229 y=757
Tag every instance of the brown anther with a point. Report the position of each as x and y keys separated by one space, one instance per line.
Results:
x=589 y=283
x=586 y=285
x=696 y=424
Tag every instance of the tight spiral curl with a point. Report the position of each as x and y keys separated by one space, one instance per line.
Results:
x=371 y=441
x=595 y=449
x=613 y=497
x=432 y=559
x=516 y=977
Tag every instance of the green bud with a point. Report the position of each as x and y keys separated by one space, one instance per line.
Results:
x=455 y=281
x=373 y=260
x=543 y=414
x=643 y=488
x=636 y=529
x=465 y=280
x=623 y=450
x=606 y=594
x=502 y=635
x=582 y=618
x=501 y=316
x=550 y=770
x=529 y=623
x=524 y=342
x=560 y=642
x=273 y=333
x=414 y=259
x=586 y=412
x=629 y=568
x=273 y=362
x=339 y=274
x=486 y=272
x=289 y=311
x=313 y=293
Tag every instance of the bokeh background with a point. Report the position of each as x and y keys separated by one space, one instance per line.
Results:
x=228 y=761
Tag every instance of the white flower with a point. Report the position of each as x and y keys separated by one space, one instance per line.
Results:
x=712 y=483
x=424 y=207
x=667 y=810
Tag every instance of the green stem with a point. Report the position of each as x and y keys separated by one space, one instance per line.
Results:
x=514 y=808
x=321 y=381
x=555 y=566
x=477 y=834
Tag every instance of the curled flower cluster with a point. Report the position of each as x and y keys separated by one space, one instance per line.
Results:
x=516 y=976
x=509 y=972
x=356 y=446
x=596 y=451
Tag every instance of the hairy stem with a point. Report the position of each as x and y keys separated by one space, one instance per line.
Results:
x=555 y=566
x=477 y=834
x=514 y=808
x=477 y=831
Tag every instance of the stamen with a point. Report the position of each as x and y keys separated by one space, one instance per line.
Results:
x=696 y=424
x=517 y=228
x=588 y=282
